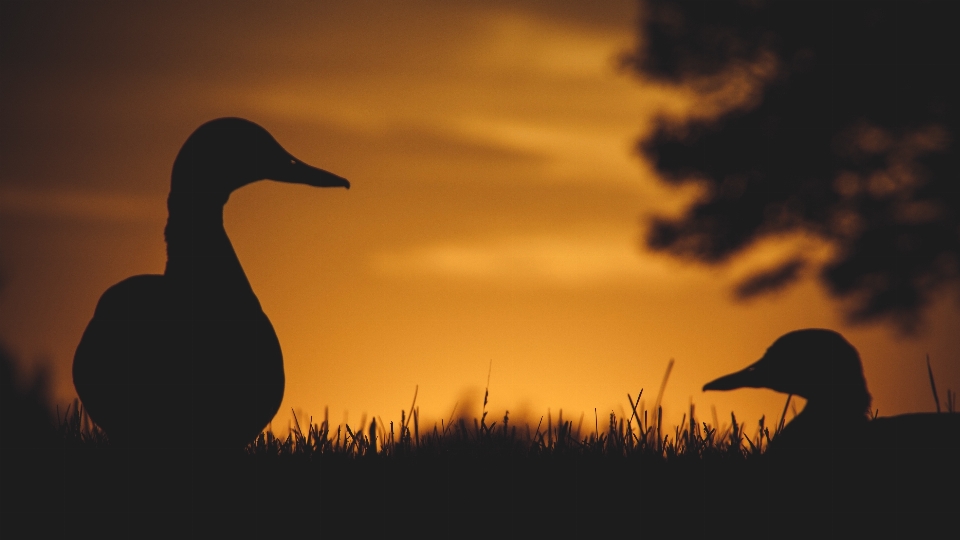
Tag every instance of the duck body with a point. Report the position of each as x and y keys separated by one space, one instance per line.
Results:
x=189 y=357
x=214 y=378
x=825 y=369
x=834 y=456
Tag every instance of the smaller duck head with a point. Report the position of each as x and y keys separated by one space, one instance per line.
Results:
x=226 y=154
x=815 y=364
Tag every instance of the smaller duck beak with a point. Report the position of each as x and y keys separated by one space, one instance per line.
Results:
x=298 y=172
x=748 y=377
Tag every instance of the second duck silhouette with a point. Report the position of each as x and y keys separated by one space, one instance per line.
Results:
x=825 y=369
x=189 y=355
x=834 y=464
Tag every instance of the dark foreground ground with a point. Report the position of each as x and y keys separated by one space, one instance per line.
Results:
x=473 y=480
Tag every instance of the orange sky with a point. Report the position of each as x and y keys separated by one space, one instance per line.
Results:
x=495 y=213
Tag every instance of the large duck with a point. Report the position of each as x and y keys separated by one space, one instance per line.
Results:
x=189 y=357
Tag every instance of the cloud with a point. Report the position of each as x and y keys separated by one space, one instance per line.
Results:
x=594 y=256
x=525 y=43
x=80 y=205
x=510 y=88
x=577 y=259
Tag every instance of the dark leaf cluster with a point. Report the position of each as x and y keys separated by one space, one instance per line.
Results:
x=851 y=139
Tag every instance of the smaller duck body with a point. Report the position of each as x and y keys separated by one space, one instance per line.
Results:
x=822 y=367
x=189 y=357
x=833 y=456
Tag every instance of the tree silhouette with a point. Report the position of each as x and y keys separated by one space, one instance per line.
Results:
x=851 y=138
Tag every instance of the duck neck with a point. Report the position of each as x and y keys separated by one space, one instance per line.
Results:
x=199 y=253
x=847 y=404
x=826 y=420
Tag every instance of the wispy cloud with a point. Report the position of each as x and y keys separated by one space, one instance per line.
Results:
x=574 y=260
x=597 y=256
x=80 y=205
x=512 y=85
x=515 y=42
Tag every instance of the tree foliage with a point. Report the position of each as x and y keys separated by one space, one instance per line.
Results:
x=852 y=139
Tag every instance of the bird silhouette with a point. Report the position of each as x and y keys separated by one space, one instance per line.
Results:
x=834 y=456
x=825 y=369
x=189 y=355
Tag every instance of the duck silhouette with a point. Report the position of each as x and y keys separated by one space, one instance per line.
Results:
x=189 y=357
x=825 y=369
x=833 y=458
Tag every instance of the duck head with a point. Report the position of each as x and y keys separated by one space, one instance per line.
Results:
x=228 y=153
x=816 y=364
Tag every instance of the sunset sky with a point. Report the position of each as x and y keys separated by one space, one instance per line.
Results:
x=495 y=218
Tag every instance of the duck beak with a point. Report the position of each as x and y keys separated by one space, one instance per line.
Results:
x=749 y=377
x=298 y=172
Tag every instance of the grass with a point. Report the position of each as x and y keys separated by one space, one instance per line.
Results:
x=633 y=436
x=483 y=475
x=640 y=434
x=618 y=437
x=553 y=477
x=556 y=477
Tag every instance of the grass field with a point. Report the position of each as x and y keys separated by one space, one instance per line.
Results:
x=466 y=477
x=557 y=473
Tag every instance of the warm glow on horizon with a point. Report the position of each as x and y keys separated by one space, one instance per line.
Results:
x=495 y=216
